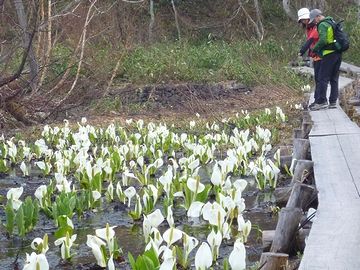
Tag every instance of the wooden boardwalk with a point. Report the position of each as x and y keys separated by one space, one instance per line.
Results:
x=334 y=240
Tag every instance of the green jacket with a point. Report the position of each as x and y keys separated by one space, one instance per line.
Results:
x=326 y=37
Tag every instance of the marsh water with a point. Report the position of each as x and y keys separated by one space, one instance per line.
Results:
x=129 y=233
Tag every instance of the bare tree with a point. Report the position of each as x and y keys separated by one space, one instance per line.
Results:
x=288 y=10
x=20 y=10
x=176 y=19
x=48 y=46
x=82 y=42
x=258 y=20
x=16 y=75
x=152 y=19
x=259 y=29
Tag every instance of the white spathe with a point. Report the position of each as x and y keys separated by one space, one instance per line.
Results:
x=172 y=235
x=195 y=185
x=66 y=244
x=95 y=244
x=237 y=256
x=36 y=262
x=14 y=194
x=216 y=176
x=170 y=217
x=195 y=209
x=214 y=239
x=203 y=257
x=129 y=193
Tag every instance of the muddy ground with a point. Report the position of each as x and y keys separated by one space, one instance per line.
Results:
x=162 y=102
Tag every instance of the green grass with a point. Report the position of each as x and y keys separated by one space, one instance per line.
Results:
x=248 y=62
x=352 y=26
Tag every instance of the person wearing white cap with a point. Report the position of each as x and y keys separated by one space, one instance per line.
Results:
x=312 y=37
x=327 y=49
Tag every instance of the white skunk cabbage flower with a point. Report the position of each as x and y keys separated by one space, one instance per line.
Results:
x=14 y=194
x=203 y=257
x=36 y=262
x=172 y=235
x=237 y=256
x=129 y=193
x=95 y=244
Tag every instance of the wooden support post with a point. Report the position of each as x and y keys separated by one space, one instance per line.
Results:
x=286 y=227
x=306 y=116
x=298 y=133
x=306 y=128
x=302 y=168
x=274 y=261
x=301 y=148
x=282 y=195
x=285 y=150
x=300 y=196
x=300 y=239
x=268 y=237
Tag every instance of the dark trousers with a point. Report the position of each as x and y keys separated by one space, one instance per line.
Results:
x=317 y=65
x=329 y=72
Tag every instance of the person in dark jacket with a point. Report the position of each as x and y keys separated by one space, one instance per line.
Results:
x=312 y=37
x=327 y=49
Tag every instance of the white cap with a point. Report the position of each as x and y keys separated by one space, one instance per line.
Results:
x=303 y=13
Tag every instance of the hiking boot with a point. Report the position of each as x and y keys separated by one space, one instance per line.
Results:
x=317 y=106
x=332 y=105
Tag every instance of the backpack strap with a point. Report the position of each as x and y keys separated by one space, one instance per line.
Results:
x=333 y=24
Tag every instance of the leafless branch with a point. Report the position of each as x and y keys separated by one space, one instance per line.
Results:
x=17 y=74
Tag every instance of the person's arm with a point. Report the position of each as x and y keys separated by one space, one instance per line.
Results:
x=306 y=46
x=322 y=30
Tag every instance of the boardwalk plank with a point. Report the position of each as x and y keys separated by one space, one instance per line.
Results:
x=349 y=67
x=334 y=238
x=333 y=179
x=350 y=145
x=332 y=121
x=333 y=242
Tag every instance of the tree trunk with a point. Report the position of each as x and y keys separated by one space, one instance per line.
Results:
x=152 y=20
x=19 y=6
x=176 y=19
x=288 y=10
x=48 y=46
x=258 y=19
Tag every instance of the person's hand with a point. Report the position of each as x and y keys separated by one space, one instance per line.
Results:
x=299 y=54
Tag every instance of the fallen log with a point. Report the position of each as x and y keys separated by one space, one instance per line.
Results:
x=273 y=261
